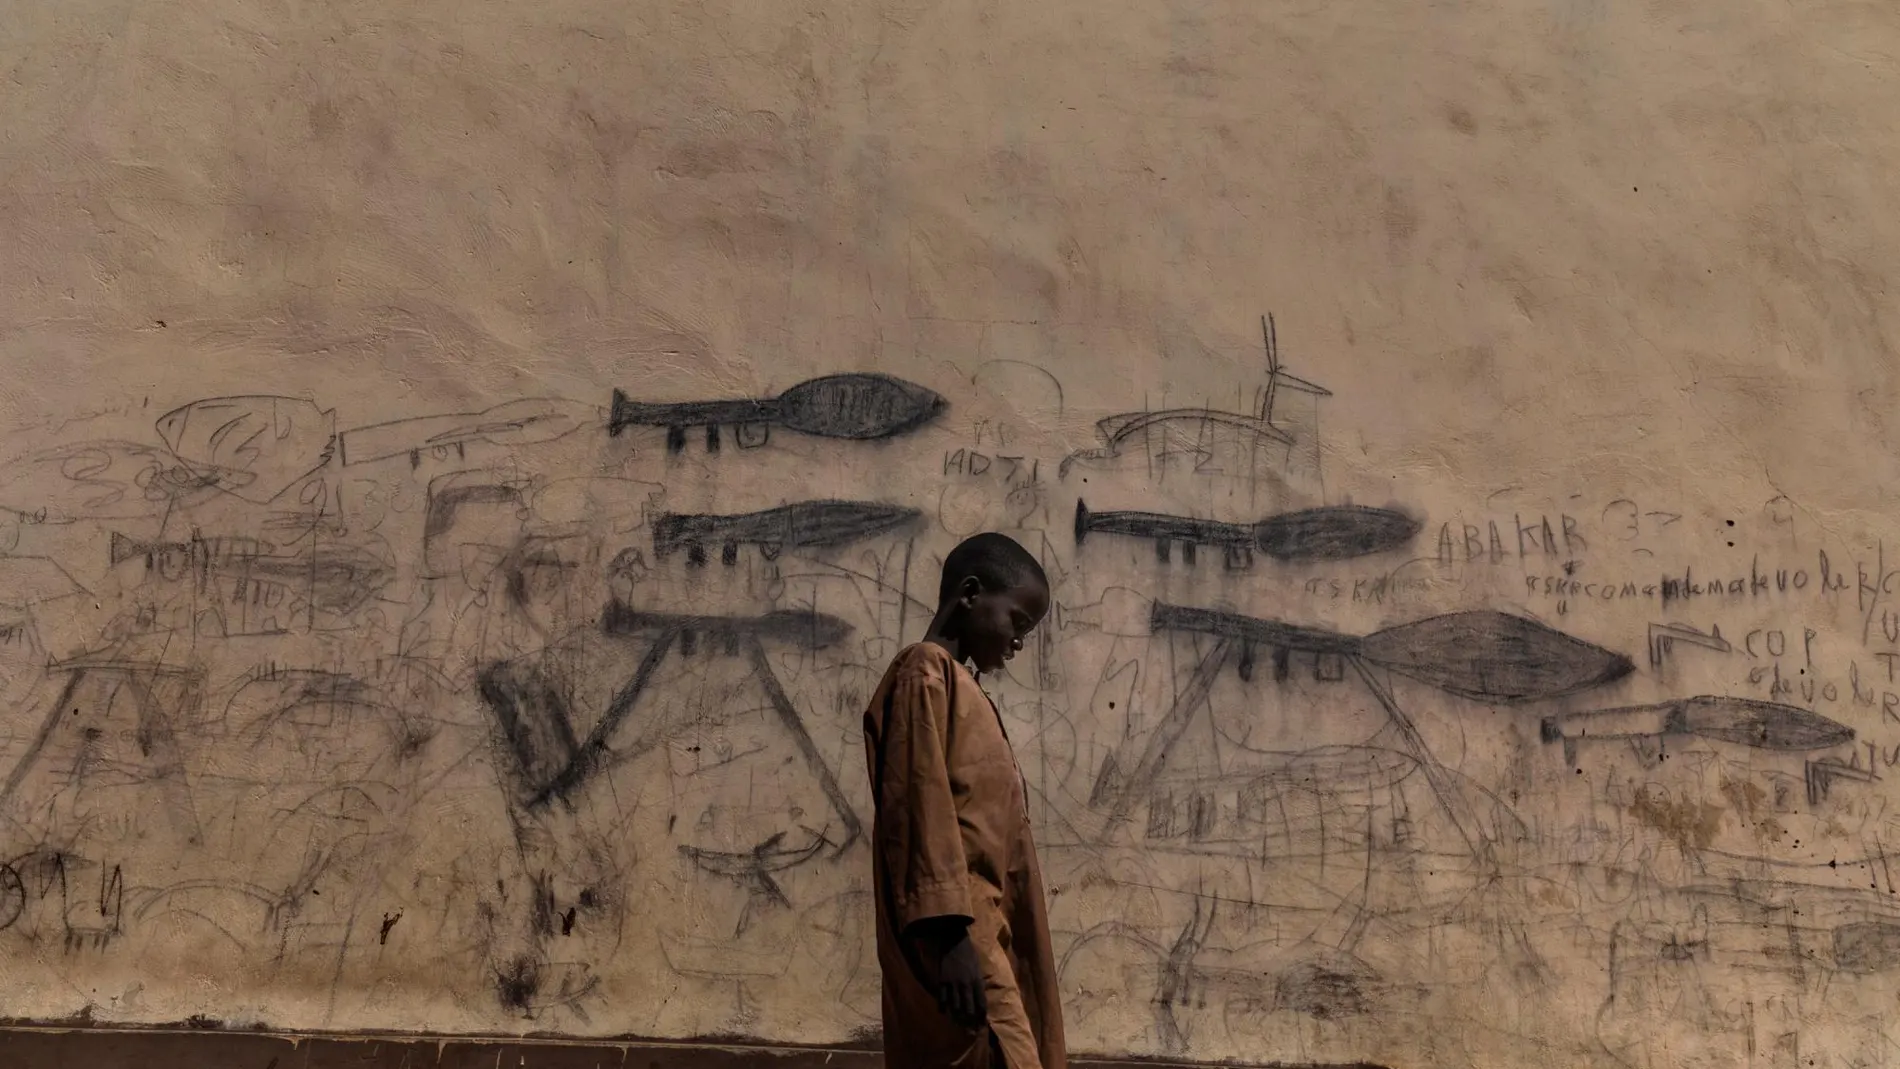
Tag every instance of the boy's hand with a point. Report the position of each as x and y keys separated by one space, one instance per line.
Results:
x=960 y=984
x=959 y=973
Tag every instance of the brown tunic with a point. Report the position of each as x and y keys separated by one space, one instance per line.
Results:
x=951 y=838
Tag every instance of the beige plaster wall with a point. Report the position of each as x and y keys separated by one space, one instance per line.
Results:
x=1601 y=294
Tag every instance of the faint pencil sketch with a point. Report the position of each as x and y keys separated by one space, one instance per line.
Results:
x=1118 y=431
x=529 y=421
x=253 y=447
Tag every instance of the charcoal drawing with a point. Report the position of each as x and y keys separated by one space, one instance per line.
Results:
x=798 y=526
x=454 y=703
x=1742 y=721
x=1327 y=533
x=850 y=406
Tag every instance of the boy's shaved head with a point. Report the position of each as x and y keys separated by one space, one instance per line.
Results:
x=998 y=561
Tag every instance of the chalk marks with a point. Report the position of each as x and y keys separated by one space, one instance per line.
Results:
x=855 y=405
x=1273 y=634
x=85 y=898
x=1167 y=530
x=116 y=723
x=798 y=526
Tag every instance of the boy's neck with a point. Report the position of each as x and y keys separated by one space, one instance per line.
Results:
x=943 y=631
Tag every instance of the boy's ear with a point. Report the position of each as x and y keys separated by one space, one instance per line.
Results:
x=969 y=589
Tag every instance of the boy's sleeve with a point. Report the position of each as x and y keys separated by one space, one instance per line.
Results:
x=920 y=840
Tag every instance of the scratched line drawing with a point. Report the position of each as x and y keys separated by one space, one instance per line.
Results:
x=512 y=424
x=1326 y=533
x=106 y=480
x=1189 y=424
x=26 y=582
x=855 y=405
x=470 y=510
x=248 y=578
x=253 y=447
x=1821 y=774
x=798 y=526
x=1742 y=721
x=116 y=723
x=1663 y=639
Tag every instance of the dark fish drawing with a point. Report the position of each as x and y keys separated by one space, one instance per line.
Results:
x=528 y=421
x=1742 y=721
x=1331 y=532
x=800 y=525
x=1483 y=655
x=855 y=405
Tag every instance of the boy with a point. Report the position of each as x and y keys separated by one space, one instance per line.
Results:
x=962 y=933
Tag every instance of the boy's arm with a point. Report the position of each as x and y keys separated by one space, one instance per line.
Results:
x=921 y=841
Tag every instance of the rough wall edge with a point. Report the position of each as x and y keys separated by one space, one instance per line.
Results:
x=211 y=1031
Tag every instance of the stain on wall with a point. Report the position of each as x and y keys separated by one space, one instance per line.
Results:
x=463 y=468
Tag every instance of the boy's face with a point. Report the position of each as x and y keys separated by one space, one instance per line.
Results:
x=995 y=622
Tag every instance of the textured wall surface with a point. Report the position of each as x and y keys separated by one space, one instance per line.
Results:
x=465 y=464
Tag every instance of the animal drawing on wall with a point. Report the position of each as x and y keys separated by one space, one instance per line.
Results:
x=1201 y=433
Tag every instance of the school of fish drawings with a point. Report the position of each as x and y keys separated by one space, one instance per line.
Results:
x=264 y=674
